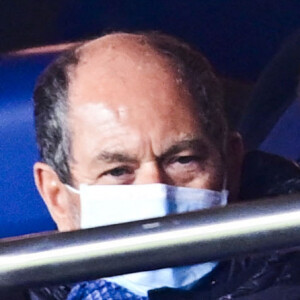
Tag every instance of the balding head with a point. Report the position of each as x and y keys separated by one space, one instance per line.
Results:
x=118 y=64
x=122 y=56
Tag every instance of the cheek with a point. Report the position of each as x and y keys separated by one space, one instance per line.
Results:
x=73 y=213
x=211 y=176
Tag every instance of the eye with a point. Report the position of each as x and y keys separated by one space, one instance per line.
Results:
x=182 y=169
x=118 y=172
x=186 y=159
x=181 y=164
x=123 y=174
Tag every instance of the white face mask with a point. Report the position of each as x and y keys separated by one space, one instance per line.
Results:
x=111 y=204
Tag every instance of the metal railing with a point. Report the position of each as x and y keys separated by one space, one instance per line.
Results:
x=151 y=244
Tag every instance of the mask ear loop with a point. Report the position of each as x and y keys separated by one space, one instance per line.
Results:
x=224 y=191
x=72 y=189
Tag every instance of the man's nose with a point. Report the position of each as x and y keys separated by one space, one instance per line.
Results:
x=150 y=173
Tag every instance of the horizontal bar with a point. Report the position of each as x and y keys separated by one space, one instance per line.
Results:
x=151 y=244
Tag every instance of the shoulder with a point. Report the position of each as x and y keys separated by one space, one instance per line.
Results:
x=277 y=278
x=266 y=175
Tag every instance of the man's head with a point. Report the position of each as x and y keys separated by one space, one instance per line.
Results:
x=130 y=109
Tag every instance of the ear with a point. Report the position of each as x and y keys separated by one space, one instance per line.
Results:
x=235 y=157
x=60 y=204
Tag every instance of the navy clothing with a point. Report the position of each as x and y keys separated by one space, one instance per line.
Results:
x=101 y=290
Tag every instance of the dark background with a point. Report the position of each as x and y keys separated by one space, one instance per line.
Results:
x=238 y=36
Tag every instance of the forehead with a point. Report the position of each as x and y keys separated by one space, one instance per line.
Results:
x=127 y=81
x=118 y=66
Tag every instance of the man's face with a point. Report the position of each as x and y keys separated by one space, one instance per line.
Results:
x=132 y=121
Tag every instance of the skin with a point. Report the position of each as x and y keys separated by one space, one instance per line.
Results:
x=132 y=121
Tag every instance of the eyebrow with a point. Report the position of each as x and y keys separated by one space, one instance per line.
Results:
x=190 y=144
x=112 y=157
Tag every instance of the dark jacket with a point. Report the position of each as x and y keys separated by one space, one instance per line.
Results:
x=272 y=276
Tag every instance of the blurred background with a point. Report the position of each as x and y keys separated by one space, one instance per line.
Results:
x=239 y=37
